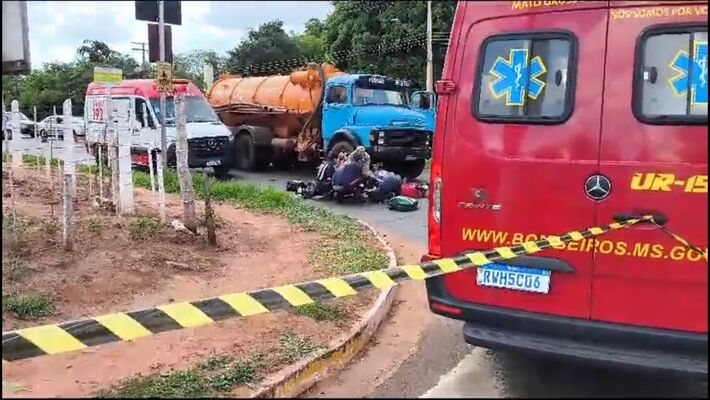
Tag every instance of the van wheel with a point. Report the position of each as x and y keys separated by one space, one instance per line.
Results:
x=343 y=146
x=221 y=172
x=250 y=157
x=408 y=169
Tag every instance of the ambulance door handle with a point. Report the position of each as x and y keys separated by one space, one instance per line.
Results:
x=659 y=218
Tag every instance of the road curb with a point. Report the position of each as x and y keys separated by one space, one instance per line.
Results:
x=295 y=379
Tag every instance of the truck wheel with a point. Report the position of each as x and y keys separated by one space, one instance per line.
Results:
x=250 y=157
x=343 y=146
x=408 y=169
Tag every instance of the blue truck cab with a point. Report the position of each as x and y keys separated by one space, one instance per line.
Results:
x=374 y=111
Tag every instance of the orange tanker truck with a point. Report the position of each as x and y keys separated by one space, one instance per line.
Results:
x=301 y=116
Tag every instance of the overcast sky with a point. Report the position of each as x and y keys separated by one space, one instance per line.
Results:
x=57 y=28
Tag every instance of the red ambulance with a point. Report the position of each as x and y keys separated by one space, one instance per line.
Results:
x=561 y=115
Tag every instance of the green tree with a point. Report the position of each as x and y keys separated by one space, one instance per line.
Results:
x=54 y=82
x=386 y=37
x=190 y=65
x=96 y=51
x=311 y=43
x=266 y=50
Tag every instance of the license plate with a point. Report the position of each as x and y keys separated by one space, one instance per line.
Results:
x=213 y=163
x=410 y=157
x=516 y=278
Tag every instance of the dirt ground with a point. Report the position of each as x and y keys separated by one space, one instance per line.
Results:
x=129 y=263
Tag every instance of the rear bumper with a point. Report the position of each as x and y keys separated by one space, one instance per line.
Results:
x=606 y=344
x=398 y=153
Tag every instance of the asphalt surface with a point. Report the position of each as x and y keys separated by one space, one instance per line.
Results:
x=443 y=365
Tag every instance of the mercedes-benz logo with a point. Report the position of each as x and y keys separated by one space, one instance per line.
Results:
x=597 y=187
x=211 y=142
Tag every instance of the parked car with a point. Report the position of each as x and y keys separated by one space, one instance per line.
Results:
x=27 y=126
x=53 y=126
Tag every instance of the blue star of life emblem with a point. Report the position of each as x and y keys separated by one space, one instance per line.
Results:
x=517 y=79
x=693 y=76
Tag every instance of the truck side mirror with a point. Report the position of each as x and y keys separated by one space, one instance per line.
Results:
x=423 y=100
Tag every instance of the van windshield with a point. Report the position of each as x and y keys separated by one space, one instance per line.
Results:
x=197 y=109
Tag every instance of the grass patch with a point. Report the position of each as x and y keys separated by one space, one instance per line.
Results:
x=238 y=373
x=143 y=227
x=297 y=347
x=217 y=376
x=28 y=306
x=95 y=224
x=16 y=269
x=215 y=362
x=320 y=312
x=339 y=257
x=34 y=161
x=51 y=227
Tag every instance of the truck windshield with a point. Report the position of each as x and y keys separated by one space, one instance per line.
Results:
x=379 y=97
x=197 y=109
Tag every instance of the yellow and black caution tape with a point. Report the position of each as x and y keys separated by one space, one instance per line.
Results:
x=123 y=326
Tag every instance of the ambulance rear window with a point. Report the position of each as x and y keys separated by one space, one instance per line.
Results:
x=525 y=78
x=671 y=79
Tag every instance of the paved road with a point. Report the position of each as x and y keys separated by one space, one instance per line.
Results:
x=442 y=365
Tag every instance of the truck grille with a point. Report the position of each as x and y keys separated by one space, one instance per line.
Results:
x=407 y=138
x=208 y=146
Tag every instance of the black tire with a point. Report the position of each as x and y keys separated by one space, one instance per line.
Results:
x=249 y=157
x=407 y=169
x=342 y=146
x=284 y=162
x=43 y=134
x=222 y=172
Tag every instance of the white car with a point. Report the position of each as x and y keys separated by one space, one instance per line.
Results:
x=27 y=126
x=53 y=126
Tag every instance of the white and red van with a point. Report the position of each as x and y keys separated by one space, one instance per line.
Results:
x=557 y=116
x=210 y=143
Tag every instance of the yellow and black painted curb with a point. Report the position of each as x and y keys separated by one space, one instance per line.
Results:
x=124 y=326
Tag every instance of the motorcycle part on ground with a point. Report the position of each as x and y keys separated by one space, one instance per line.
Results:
x=403 y=203
x=413 y=190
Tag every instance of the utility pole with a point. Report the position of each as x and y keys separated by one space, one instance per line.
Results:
x=429 y=51
x=161 y=39
x=142 y=49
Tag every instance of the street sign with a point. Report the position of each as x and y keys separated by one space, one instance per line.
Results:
x=148 y=11
x=154 y=43
x=165 y=77
x=109 y=76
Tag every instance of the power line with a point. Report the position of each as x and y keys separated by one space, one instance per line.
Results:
x=142 y=49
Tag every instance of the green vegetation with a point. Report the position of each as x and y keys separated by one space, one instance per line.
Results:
x=321 y=312
x=217 y=376
x=143 y=227
x=51 y=226
x=95 y=224
x=28 y=306
x=297 y=347
x=16 y=268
